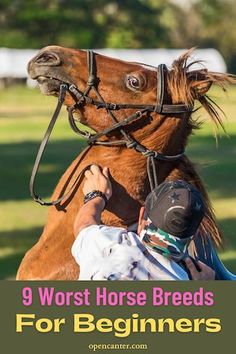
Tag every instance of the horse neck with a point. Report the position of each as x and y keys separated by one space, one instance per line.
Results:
x=167 y=135
x=171 y=139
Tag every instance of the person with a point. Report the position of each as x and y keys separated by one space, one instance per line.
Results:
x=167 y=223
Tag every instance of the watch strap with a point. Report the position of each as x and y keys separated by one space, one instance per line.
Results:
x=94 y=194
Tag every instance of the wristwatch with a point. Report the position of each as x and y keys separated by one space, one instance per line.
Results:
x=94 y=194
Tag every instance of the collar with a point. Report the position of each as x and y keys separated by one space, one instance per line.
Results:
x=159 y=241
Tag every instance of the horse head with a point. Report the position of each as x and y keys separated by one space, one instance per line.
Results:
x=128 y=86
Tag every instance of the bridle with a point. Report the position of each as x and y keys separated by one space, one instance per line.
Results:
x=82 y=97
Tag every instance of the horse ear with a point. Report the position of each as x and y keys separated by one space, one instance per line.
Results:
x=201 y=88
x=200 y=82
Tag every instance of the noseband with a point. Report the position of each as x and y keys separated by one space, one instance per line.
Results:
x=81 y=98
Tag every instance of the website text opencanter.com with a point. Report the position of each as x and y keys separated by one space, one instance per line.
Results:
x=111 y=346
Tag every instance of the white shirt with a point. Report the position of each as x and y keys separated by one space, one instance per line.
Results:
x=112 y=253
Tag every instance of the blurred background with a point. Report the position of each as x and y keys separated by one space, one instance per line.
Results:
x=163 y=29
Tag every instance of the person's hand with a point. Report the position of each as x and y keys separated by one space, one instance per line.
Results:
x=205 y=273
x=97 y=179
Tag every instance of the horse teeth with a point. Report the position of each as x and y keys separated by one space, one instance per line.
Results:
x=41 y=77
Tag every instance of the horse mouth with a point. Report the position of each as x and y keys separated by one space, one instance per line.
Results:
x=49 y=85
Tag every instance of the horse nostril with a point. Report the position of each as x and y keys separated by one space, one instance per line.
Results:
x=47 y=58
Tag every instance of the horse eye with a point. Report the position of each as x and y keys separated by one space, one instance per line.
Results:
x=133 y=82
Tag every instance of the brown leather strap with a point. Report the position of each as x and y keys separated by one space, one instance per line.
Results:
x=36 y=197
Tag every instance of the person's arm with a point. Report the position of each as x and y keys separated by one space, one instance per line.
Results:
x=204 y=272
x=90 y=213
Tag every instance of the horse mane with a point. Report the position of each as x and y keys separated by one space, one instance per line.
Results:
x=186 y=86
x=187 y=171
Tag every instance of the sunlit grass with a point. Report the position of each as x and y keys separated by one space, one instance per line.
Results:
x=21 y=215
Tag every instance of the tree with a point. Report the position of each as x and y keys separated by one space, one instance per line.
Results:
x=120 y=24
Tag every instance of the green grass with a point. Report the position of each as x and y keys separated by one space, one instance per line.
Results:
x=24 y=116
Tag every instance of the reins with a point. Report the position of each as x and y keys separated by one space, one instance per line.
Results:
x=82 y=98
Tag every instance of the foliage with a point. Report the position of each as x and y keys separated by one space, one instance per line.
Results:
x=219 y=27
x=120 y=24
x=80 y=23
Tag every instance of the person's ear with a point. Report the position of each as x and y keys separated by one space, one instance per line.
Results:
x=141 y=221
x=141 y=215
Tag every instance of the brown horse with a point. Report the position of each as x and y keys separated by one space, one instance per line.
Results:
x=163 y=132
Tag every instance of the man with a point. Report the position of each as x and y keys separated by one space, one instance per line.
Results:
x=167 y=224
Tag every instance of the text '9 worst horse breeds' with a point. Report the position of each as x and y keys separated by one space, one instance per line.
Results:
x=142 y=118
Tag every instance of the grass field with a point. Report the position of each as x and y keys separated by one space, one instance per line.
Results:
x=24 y=115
